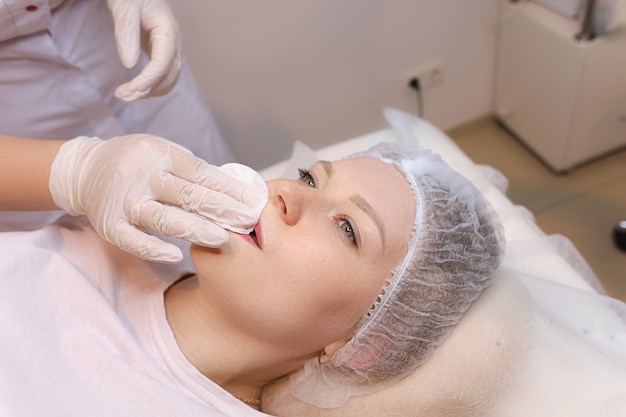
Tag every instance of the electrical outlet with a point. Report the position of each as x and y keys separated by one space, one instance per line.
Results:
x=429 y=74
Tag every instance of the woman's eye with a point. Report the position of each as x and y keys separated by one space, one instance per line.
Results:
x=306 y=177
x=347 y=230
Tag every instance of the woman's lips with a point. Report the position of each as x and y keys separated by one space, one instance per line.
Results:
x=254 y=238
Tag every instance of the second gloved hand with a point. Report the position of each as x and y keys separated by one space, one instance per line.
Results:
x=149 y=24
x=142 y=182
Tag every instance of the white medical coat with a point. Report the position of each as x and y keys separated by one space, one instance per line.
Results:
x=59 y=69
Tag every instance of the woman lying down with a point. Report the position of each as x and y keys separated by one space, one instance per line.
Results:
x=354 y=274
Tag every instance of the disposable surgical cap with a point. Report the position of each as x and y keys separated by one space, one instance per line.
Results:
x=456 y=244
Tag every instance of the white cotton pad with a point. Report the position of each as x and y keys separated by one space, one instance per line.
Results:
x=248 y=176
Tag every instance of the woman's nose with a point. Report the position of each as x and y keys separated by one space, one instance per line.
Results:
x=291 y=199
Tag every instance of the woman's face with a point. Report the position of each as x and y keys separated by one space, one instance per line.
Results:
x=327 y=243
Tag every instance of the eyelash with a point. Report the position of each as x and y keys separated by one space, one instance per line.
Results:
x=306 y=177
x=343 y=220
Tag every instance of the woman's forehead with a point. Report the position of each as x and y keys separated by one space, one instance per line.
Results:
x=367 y=167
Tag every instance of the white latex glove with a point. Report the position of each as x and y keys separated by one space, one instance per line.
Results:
x=149 y=182
x=149 y=24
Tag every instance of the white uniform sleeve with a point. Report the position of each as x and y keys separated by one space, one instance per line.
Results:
x=23 y=17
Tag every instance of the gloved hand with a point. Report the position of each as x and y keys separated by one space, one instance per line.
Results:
x=149 y=182
x=151 y=24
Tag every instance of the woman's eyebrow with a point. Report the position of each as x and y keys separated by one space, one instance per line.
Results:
x=361 y=203
x=328 y=167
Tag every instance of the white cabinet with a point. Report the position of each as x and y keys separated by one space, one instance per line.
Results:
x=564 y=98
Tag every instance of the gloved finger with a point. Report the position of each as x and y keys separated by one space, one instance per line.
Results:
x=145 y=246
x=204 y=201
x=154 y=80
x=162 y=71
x=172 y=52
x=168 y=82
x=170 y=221
x=127 y=20
x=198 y=171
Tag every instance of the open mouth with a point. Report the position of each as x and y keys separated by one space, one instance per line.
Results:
x=255 y=238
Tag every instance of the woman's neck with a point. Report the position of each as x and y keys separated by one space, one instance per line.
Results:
x=220 y=351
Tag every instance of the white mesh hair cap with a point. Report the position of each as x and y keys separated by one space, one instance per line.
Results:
x=456 y=244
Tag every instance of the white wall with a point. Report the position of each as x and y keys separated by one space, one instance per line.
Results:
x=320 y=71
